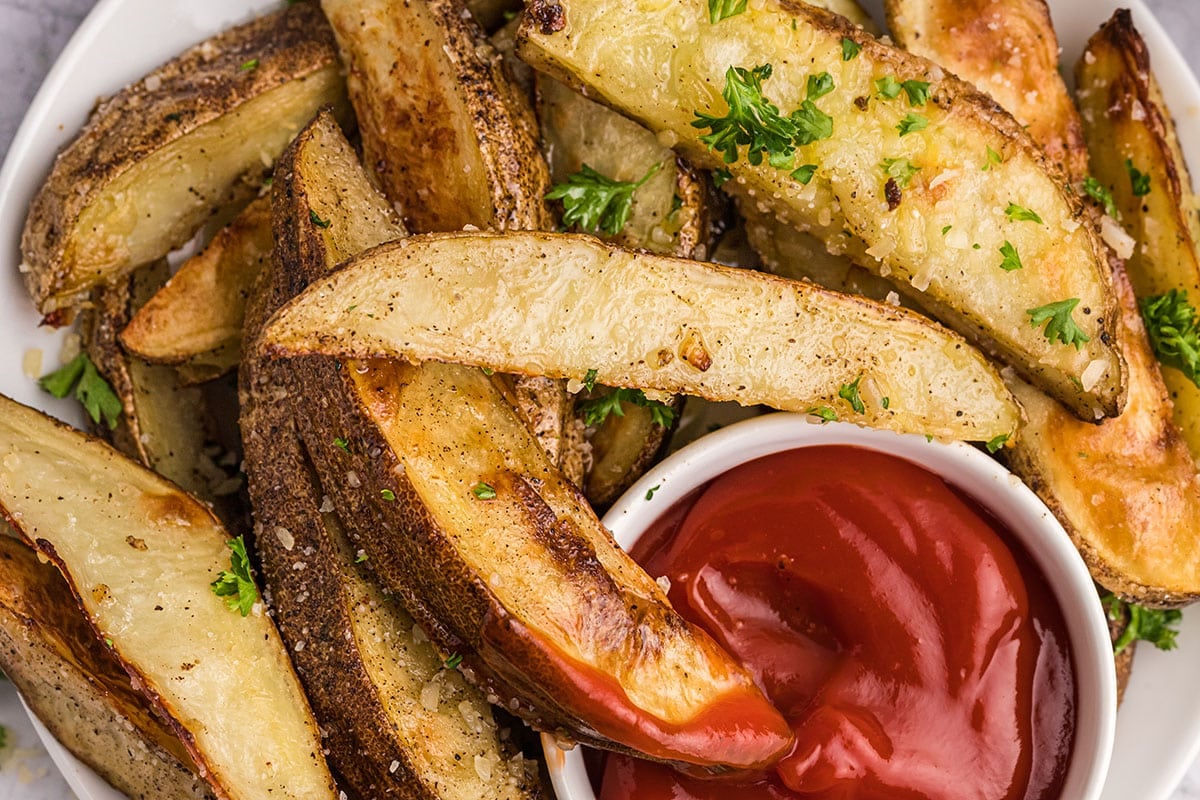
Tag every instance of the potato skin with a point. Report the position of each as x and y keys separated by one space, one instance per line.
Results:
x=196 y=89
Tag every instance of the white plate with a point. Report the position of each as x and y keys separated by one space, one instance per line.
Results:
x=1158 y=729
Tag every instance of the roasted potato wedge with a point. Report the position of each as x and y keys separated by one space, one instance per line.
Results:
x=429 y=91
x=1127 y=123
x=396 y=721
x=684 y=327
x=140 y=555
x=156 y=159
x=197 y=316
x=1009 y=50
x=1126 y=489
x=940 y=126
x=78 y=690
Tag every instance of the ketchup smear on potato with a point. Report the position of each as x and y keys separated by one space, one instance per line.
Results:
x=913 y=652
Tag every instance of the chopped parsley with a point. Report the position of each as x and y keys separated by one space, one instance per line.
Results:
x=992 y=158
x=248 y=65
x=1018 y=213
x=812 y=124
x=850 y=49
x=483 y=491
x=917 y=91
x=1172 y=327
x=724 y=9
x=1139 y=181
x=825 y=413
x=888 y=87
x=80 y=378
x=886 y=403
x=589 y=379
x=316 y=219
x=595 y=202
x=900 y=169
x=236 y=584
x=650 y=492
x=1100 y=193
x=912 y=123
x=361 y=557
x=995 y=443
x=1060 y=324
x=819 y=85
x=453 y=661
x=341 y=443
x=753 y=121
x=596 y=410
x=804 y=173
x=388 y=494
x=1157 y=626
x=946 y=229
x=849 y=393
x=1012 y=260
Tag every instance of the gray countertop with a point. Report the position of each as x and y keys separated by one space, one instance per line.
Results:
x=32 y=32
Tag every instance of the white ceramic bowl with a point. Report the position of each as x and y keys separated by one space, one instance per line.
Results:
x=961 y=465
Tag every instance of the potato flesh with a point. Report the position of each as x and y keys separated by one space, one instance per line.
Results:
x=140 y=555
x=158 y=203
x=661 y=67
x=562 y=305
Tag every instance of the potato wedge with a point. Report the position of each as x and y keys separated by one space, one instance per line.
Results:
x=940 y=125
x=1126 y=489
x=197 y=316
x=68 y=677
x=684 y=327
x=156 y=159
x=1009 y=50
x=139 y=554
x=372 y=676
x=1126 y=121
x=429 y=91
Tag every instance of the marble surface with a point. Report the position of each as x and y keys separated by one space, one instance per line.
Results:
x=32 y=32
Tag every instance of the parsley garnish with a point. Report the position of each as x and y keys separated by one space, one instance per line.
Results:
x=720 y=176
x=1012 y=260
x=885 y=402
x=849 y=393
x=589 y=379
x=850 y=49
x=598 y=203
x=826 y=413
x=388 y=494
x=819 y=85
x=752 y=121
x=994 y=444
x=342 y=443
x=992 y=158
x=361 y=557
x=650 y=492
x=596 y=410
x=1154 y=625
x=1021 y=214
x=901 y=169
x=1138 y=180
x=1098 y=192
x=946 y=229
x=1171 y=324
x=724 y=9
x=483 y=491
x=236 y=584
x=80 y=378
x=453 y=661
x=248 y=65
x=812 y=124
x=912 y=123
x=917 y=91
x=1059 y=323
x=888 y=87
x=805 y=173
x=316 y=219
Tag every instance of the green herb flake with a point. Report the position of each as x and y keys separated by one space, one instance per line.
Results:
x=753 y=121
x=1139 y=181
x=81 y=379
x=886 y=403
x=819 y=85
x=236 y=584
x=596 y=410
x=912 y=123
x=888 y=87
x=850 y=49
x=849 y=393
x=1011 y=259
x=388 y=495
x=1100 y=193
x=487 y=371
x=342 y=443
x=825 y=413
x=805 y=173
x=1018 y=213
x=992 y=158
x=650 y=492
x=721 y=176
x=994 y=444
x=1060 y=325
x=248 y=65
x=483 y=491
x=724 y=9
x=946 y=229
x=1157 y=626
x=589 y=379
x=361 y=557
x=1172 y=326
x=315 y=218
x=917 y=91
x=812 y=124
x=597 y=203
x=901 y=170
x=453 y=661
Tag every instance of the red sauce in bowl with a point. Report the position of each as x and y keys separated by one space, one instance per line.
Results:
x=913 y=651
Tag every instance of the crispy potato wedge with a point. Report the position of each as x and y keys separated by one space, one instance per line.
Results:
x=851 y=203
x=1007 y=48
x=197 y=316
x=1125 y=119
x=156 y=159
x=424 y=558
x=139 y=554
x=78 y=690
x=1126 y=489
x=429 y=91
x=396 y=721
x=684 y=327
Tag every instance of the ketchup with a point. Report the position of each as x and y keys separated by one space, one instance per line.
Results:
x=912 y=651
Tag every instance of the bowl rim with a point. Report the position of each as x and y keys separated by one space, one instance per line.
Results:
x=962 y=465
